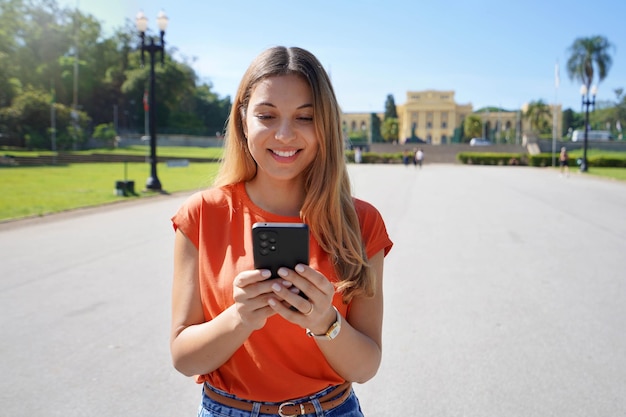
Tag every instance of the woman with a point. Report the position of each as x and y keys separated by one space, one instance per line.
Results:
x=257 y=346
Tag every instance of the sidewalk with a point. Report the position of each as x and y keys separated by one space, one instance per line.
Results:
x=504 y=296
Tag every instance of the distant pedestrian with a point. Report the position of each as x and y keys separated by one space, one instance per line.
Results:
x=405 y=158
x=358 y=157
x=419 y=157
x=564 y=161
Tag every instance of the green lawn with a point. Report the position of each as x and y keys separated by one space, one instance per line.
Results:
x=615 y=173
x=36 y=191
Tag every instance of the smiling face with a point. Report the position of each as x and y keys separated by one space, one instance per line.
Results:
x=280 y=129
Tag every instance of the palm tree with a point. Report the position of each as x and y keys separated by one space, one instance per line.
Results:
x=539 y=115
x=587 y=53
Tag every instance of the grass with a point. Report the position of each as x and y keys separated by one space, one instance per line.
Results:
x=614 y=173
x=37 y=191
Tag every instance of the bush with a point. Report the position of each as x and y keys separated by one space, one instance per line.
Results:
x=376 y=158
x=604 y=161
x=491 y=158
x=105 y=133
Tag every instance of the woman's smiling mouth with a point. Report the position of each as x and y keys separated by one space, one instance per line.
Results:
x=284 y=154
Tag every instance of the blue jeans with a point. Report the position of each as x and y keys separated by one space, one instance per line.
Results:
x=349 y=408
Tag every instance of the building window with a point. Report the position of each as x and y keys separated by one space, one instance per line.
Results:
x=444 y=125
x=353 y=126
x=429 y=125
x=444 y=139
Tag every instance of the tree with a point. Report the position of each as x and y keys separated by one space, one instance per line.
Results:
x=472 y=127
x=39 y=44
x=390 y=108
x=375 y=126
x=105 y=132
x=587 y=53
x=571 y=121
x=539 y=116
x=27 y=122
x=390 y=129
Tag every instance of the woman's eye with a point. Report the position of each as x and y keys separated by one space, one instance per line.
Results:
x=263 y=116
x=306 y=118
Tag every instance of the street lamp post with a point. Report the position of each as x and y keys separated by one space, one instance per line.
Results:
x=586 y=104
x=152 y=48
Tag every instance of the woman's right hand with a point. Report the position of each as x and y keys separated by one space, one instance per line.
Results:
x=251 y=292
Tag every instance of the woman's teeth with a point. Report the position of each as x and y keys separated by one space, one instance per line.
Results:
x=285 y=154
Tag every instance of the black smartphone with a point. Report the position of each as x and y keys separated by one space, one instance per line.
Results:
x=276 y=245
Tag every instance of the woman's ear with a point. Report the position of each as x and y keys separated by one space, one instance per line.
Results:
x=244 y=124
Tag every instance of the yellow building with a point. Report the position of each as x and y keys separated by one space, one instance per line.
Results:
x=358 y=123
x=433 y=116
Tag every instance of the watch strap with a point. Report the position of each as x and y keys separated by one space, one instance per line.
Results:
x=332 y=332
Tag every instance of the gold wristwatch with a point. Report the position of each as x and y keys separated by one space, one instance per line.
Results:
x=331 y=333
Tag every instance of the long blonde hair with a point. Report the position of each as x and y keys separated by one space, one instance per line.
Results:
x=328 y=207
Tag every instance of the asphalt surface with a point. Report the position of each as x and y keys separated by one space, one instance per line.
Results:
x=505 y=295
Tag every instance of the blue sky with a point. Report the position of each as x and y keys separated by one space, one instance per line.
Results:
x=491 y=53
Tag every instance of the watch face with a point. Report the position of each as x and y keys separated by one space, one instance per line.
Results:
x=334 y=331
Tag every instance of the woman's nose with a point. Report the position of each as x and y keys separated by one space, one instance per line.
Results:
x=285 y=131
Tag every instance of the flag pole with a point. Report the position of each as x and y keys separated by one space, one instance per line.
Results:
x=554 y=108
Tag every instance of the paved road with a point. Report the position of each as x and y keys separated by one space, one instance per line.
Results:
x=505 y=295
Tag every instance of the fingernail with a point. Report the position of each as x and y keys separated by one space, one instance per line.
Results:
x=282 y=272
x=276 y=287
x=271 y=302
x=299 y=268
x=266 y=274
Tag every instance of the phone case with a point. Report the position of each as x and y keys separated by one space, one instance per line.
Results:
x=278 y=245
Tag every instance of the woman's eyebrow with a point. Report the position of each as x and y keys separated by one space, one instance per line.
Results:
x=268 y=104
x=264 y=103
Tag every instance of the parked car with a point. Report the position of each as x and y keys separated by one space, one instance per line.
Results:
x=579 y=135
x=479 y=142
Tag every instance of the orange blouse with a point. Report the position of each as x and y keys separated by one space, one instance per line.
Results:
x=279 y=361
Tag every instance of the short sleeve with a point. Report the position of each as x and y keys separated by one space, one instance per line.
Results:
x=187 y=218
x=373 y=229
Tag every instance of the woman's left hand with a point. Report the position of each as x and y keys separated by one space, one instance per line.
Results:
x=314 y=312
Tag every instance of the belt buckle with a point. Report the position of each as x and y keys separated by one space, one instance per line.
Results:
x=286 y=404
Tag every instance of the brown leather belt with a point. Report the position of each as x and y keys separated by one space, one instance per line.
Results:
x=288 y=408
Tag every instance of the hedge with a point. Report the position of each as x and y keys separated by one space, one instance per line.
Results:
x=492 y=158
